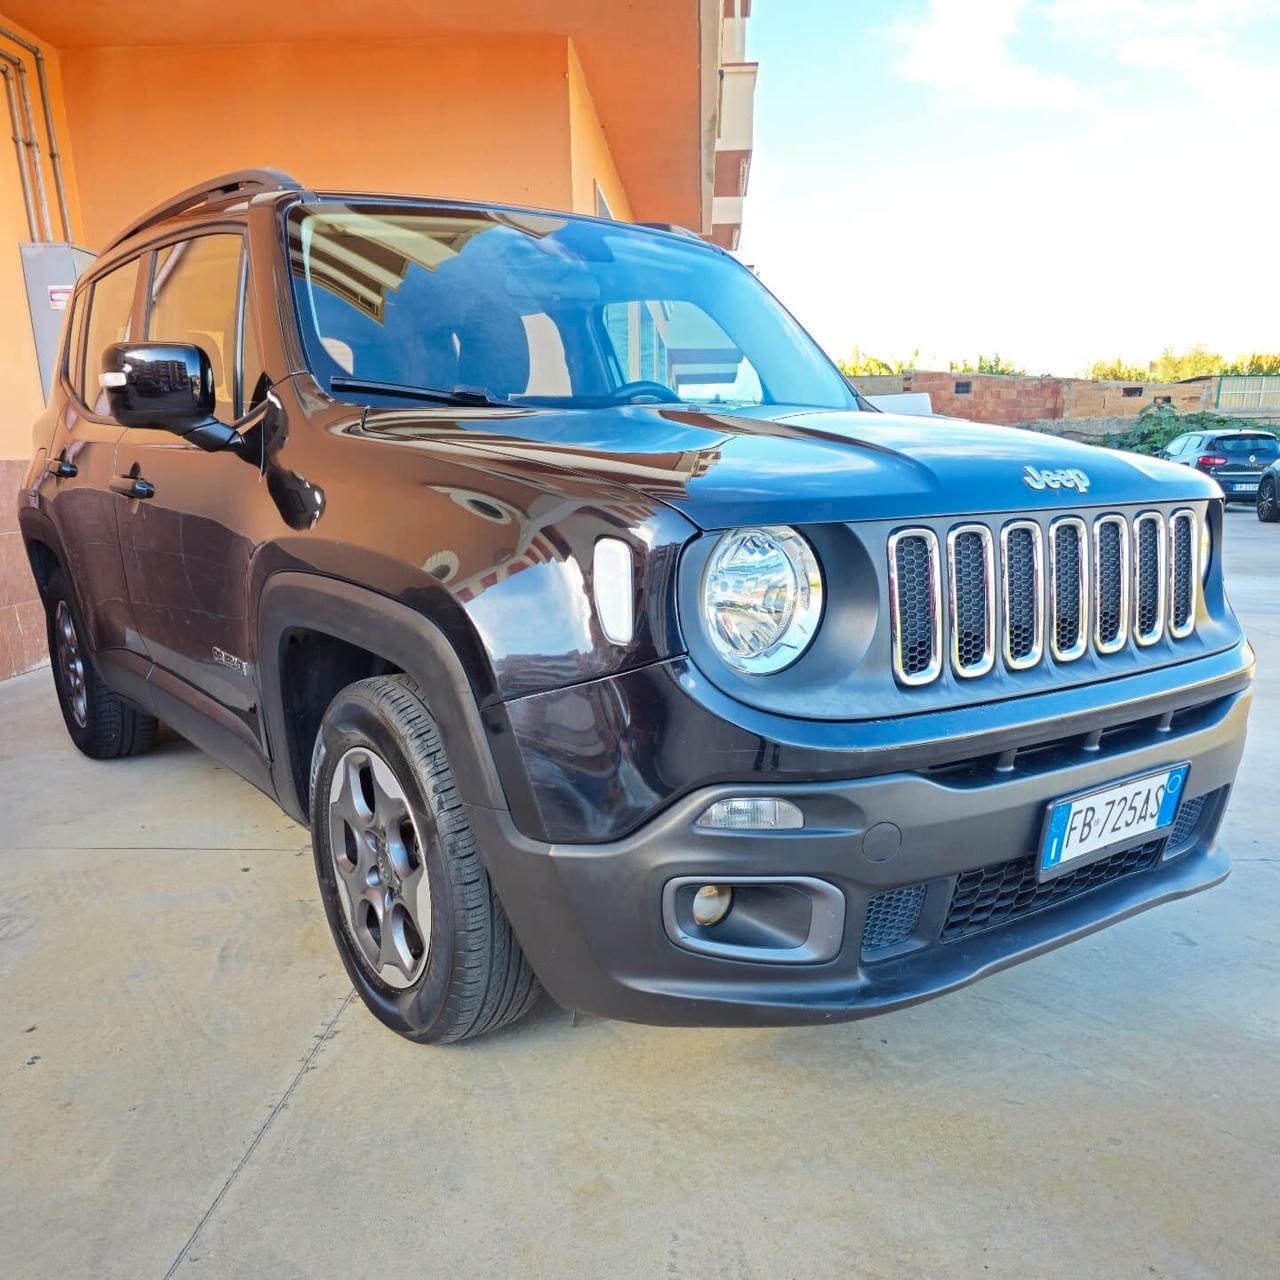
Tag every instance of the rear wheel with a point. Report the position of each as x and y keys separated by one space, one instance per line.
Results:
x=1268 y=501
x=101 y=724
x=411 y=908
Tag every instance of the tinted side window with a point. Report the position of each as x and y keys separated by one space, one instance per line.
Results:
x=110 y=318
x=195 y=297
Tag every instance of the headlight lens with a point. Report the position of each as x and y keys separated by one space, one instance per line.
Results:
x=1206 y=547
x=762 y=598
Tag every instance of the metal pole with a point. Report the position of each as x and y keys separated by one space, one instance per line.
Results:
x=32 y=140
x=18 y=148
x=59 y=185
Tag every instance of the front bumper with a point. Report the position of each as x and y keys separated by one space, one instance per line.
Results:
x=590 y=917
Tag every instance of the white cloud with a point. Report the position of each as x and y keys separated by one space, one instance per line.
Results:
x=964 y=46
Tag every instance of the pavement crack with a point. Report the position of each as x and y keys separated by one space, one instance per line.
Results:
x=253 y=1146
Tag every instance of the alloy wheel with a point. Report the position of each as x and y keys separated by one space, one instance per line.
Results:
x=381 y=873
x=1267 y=501
x=70 y=663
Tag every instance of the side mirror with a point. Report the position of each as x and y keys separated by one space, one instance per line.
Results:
x=168 y=385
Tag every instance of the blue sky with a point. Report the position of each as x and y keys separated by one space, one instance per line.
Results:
x=1056 y=180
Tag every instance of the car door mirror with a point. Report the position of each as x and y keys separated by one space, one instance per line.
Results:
x=168 y=385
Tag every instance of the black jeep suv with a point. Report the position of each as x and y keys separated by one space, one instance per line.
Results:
x=605 y=640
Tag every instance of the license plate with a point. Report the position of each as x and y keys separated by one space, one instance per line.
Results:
x=1085 y=827
x=1251 y=487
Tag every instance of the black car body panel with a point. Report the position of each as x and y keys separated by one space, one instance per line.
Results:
x=341 y=534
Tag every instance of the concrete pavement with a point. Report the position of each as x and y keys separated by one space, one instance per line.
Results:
x=187 y=1086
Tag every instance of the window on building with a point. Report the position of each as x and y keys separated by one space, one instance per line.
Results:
x=963 y=388
x=110 y=320
x=1130 y=392
x=195 y=298
x=1162 y=399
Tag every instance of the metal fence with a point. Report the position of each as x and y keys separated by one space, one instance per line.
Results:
x=1248 y=391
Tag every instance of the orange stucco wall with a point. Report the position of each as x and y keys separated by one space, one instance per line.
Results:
x=460 y=116
x=590 y=159
x=21 y=398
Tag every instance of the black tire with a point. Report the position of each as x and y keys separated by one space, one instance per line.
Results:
x=1268 y=505
x=101 y=724
x=474 y=978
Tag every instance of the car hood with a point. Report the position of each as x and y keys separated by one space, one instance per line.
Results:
x=779 y=465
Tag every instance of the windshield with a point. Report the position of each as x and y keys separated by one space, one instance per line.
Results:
x=1242 y=446
x=539 y=309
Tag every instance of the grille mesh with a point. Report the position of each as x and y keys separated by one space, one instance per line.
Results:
x=1022 y=604
x=1110 y=583
x=915 y=603
x=1007 y=890
x=891 y=917
x=972 y=643
x=1183 y=571
x=1184 y=829
x=1067 y=553
x=1148 y=576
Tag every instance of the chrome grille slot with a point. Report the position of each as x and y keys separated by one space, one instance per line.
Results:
x=972 y=598
x=1149 y=592
x=1069 y=588
x=1110 y=583
x=915 y=605
x=1022 y=564
x=1183 y=575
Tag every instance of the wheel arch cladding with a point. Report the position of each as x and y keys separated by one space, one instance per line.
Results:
x=350 y=629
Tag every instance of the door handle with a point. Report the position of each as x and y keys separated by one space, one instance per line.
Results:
x=134 y=487
x=63 y=469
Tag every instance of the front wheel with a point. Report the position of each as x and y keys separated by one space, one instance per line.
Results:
x=411 y=908
x=1268 y=501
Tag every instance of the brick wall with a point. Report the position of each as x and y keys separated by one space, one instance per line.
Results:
x=1012 y=400
x=22 y=637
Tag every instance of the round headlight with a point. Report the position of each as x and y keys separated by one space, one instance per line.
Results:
x=762 y=598
x=1206 y=548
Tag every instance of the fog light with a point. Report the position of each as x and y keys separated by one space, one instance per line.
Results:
x=711 y=904
x=753 y=813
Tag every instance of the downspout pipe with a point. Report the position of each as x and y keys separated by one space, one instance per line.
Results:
x=43 y=80
x=18 y=147
x=32 y=140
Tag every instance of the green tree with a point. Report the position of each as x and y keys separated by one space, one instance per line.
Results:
x=861 y=365
x=987 y=364
x=1117 y=371
x=1199 y=362
x=1158 y=424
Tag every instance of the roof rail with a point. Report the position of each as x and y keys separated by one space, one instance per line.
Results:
x=674 y=227
x=246 y=181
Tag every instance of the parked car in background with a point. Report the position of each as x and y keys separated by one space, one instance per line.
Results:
x=1235 y=459
x=551 y=572
x=1268 y=503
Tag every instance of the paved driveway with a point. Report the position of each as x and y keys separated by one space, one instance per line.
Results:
x=188 y=1086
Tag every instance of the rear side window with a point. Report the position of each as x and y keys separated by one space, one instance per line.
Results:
x=195 y=298
x=1243 y=446
x=110 y=320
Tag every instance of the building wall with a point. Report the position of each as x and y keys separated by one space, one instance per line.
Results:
x=491 y=117
x=1014 y=400
x=590 y=159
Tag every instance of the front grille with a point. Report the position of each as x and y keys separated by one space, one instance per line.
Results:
x=915 y=603
x=971 y=562
x=1023 y=575
x=1068 y=588
x=1149 y=587
x=891 y=917
x=1009 y=890
x=1108 y=581
x=1182 y=573
x=1110 y=584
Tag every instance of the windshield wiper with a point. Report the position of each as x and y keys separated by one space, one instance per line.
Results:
x=455 y=395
